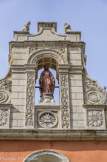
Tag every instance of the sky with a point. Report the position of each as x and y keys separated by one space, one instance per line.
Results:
x=87 y=16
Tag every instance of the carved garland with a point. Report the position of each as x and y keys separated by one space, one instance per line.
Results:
x=65 y=114
x=94 y=94
x=30 y=99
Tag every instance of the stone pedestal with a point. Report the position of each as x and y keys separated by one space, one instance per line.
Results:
x=48 y=99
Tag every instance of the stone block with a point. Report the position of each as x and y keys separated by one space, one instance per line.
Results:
x=79 y=96
x=19 y=56
x=16 y=116
x=19 y=89
x=19 y=62
x=19 y=50
x=76 y=102
x=75 y=56
x=15 y=82
x=22 y=95
x=18 y=101
x=21 y=123
x=76 y=89
x=22 y=82
x=78 y=116
x=75 y=77
x=19 y=76
x=75 y=62
x=14 y=123
x=15 y=95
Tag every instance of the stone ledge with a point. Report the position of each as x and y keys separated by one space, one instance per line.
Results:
x=32 y=134
x=95 y=106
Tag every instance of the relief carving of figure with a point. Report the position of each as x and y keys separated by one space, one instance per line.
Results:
x=46 y=82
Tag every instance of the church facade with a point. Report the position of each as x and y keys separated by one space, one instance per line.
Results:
x=75 y=130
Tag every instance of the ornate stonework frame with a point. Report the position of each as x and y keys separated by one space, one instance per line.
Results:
x=64 y=87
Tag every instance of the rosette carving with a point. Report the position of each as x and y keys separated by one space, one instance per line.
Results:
x=4 y=96
x=95 y=118
x=94 y=94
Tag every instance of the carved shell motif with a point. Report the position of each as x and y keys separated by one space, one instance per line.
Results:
x=94 y=94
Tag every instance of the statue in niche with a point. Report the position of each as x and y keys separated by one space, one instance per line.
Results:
x=46 y=82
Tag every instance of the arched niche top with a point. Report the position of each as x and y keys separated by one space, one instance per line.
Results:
x=52 y=63
x=46 y=53
x=46 y=155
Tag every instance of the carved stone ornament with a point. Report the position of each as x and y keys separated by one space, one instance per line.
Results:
x=94 y=94
x=3 y=117
x=6 y=84
x=26 y=27
x=65 y=101
x=30 y=99
x=47 y=119
x=95 y=118
x=67 y=28
x=4 y=96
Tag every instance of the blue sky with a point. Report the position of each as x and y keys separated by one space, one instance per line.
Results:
x=87 y=16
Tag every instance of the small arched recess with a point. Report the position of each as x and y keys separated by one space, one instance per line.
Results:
x=46 y=156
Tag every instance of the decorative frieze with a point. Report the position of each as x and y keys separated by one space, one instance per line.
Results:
x=64 y=93
x=94 y=94
x=30 y=99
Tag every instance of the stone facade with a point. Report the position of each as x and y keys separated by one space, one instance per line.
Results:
x=82 y=101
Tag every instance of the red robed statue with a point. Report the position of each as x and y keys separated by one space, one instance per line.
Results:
x=46 y=82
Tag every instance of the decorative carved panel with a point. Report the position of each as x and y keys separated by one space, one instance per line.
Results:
x=95 y=118
x=30 y=99
x=4 y=115
x=94 y=94
x=64 y=97
x=47 y=119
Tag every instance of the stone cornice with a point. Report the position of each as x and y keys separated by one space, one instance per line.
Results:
x=46 y=44
x=95 y=106
x=52 y=134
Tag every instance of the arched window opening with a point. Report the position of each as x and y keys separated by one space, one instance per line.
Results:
x=52 y=64
x=46 y=156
